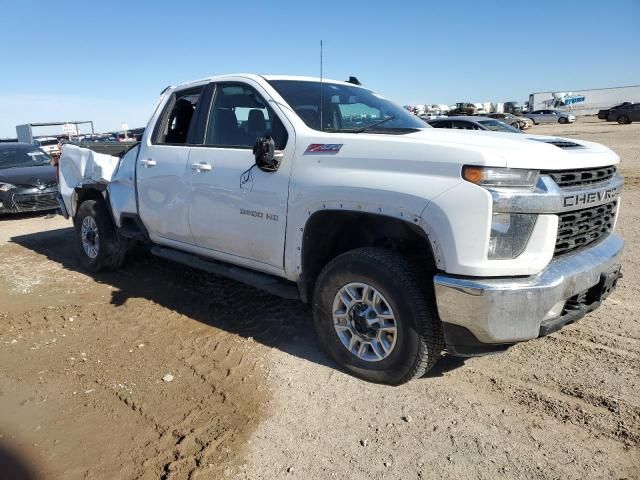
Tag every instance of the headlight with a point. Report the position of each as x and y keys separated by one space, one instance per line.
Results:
x=510 y=233
x=498 y=177
x=5 y=187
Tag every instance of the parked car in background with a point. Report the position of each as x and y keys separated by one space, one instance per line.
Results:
x=603 y=114
x=473 y=123
x=105 y=137
x=49 y=145
x=625 y=114
x=430 y=116
x=550 y=116
x=516 y=122
x=27 y=179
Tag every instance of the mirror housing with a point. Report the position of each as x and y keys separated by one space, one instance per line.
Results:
x=264 y=151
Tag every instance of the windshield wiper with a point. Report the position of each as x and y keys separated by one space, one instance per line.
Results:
x=374 y=124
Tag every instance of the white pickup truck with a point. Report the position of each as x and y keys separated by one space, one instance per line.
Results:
x=406 y=240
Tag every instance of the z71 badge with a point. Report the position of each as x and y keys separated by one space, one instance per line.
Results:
x=326 y=148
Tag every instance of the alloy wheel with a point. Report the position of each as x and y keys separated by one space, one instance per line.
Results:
x=364 y=322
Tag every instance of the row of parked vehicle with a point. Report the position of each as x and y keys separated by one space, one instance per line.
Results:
x=51 y=145
x=500 y=122
x=623 y=113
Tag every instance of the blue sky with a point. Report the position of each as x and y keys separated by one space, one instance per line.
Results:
x=109 y=61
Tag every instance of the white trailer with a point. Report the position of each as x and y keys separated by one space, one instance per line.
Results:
x=584 y=102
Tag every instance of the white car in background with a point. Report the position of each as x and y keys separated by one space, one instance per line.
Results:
x=550 y=116
x=50 y=145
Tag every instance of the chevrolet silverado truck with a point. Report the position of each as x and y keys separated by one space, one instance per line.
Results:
x=406 y=240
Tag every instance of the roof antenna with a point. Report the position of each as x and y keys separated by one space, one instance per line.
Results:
x=321 y=122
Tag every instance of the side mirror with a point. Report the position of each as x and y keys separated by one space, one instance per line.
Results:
x=264 y=151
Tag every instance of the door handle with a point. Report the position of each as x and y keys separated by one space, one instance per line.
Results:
x=201 y=167
x=148 y=163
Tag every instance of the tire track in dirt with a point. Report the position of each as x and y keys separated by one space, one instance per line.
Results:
x=598 y=415
x=196 y=424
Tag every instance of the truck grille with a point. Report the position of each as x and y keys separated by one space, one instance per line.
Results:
x=43 y=201
x=574 y=178
x=580 y=228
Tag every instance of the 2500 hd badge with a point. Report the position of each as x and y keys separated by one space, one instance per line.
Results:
x=256 y=214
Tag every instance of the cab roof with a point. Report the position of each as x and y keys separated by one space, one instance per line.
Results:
x=257 y=77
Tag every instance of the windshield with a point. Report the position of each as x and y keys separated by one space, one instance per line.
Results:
x=345 y=108
x=12 y=156
x=497 y=126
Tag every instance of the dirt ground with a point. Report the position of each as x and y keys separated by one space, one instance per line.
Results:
x=85 y=364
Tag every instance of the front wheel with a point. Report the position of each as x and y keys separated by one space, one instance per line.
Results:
x=623 y=120
x=375 y=315
x=97 y=243
x=563 y=120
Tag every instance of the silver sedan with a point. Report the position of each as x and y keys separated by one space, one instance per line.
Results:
x=550 y=116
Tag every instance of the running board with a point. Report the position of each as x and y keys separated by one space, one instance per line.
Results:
x=262 y=281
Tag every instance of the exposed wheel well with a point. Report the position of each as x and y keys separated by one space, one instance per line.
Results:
x=327 y=234
x=82 y=194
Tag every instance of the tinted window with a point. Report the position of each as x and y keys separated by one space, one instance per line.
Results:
x=178 y=117
x=22 y=156
x=497 y=126
x=239 y=116
x=460 y=125
x=344 y=107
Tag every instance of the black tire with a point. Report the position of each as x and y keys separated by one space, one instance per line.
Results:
x=419 y=342
x=623 y=120
x=110 y=250
x=562 y=120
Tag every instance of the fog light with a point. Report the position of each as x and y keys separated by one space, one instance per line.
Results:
x=510 y=233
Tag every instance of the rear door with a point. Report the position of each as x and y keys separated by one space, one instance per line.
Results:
x=634 y=112
x=550 y=116
x=236 y=208
x=163 y=192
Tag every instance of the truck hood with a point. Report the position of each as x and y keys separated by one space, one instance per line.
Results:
x=517 y=150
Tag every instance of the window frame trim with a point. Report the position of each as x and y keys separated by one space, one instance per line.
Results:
x=214 y=87
x=168 y=108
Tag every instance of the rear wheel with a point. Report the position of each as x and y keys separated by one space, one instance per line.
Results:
x=623 y=120
x=375 y=315
x=98 y=245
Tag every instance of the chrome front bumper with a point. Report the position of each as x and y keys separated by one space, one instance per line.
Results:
x=504 y=311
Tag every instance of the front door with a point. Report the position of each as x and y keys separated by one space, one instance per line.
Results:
x=236 y=208
x=163 y=192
